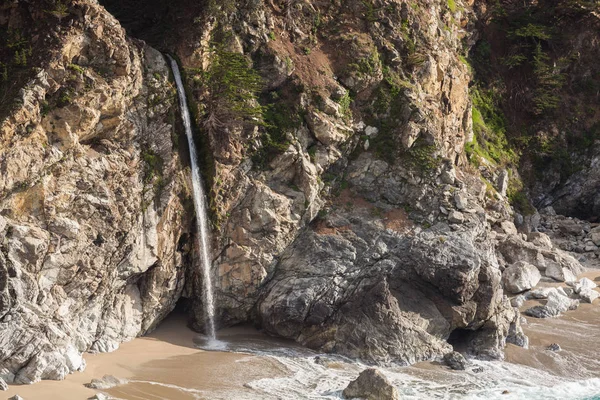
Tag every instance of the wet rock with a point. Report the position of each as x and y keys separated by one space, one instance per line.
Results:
x=583 y=283
x=106 y=382
x=371 y=385
x=554 y=347
x=99 y=396
x=455 y=361
x=520 y=276
x=477 y=370
x=555 y=305
x=588 y=295
x=516 y=335
x=518 y=301
x=541 y=293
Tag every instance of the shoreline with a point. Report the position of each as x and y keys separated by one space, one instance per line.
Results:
x=166 y=364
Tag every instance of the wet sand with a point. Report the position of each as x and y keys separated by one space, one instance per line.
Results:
x=167 y=364
x=577 y=332
x=167 y=356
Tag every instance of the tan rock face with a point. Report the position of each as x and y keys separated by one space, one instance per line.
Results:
x=337 y=77
x=91 y=202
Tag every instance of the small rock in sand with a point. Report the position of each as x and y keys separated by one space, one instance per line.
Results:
x=16 y=397
x=555 y=305
x=107 y=382
x=554 y=347
x=99 y=396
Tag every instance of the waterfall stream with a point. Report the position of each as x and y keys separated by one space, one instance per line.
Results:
x=199 y=206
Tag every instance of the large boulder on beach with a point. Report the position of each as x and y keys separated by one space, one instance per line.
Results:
x=455 y=361
x=371 y=385
x=3 y=385
x=520 y=276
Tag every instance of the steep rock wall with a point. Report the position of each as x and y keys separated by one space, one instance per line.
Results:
x=92 y=194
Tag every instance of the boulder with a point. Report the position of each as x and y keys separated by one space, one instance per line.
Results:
x=520 y=276
x=583 y=283
x=588 y=295
x=455 y=361
x=3 y=385
x=508 y=227
x=554 y=347
x=106 y=382
x=515 y=249
x=541 y=293
x=540 y=239
x=516 y=335
x=555 y=305
x=518 y=301
x=456 y=217
x=559 y=273
x=595 y=236
x=371 y=385
x=461 y=201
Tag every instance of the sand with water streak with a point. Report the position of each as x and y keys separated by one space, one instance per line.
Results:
x=168 y=365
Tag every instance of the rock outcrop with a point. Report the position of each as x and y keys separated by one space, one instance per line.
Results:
x=92 y=195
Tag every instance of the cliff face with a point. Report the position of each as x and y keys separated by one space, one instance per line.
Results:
x=92 y=204
x=347 y=214
x=330 y=215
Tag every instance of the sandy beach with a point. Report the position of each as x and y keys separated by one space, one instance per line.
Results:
x=168 y=356
x=167 y=364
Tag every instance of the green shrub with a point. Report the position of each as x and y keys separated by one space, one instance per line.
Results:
x=233 y=86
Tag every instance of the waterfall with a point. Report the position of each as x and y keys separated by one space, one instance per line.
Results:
x=199 y=206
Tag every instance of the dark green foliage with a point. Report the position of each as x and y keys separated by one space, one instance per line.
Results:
x=421 y=157
x=548 y=82
x=232 y=89
x=153 y=165
x=279 y=119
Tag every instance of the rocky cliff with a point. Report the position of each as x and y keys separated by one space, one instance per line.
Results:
x=356 y=204
x=93 y=192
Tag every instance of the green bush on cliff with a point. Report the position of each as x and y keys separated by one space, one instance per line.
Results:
x=489 y=130
x=232 y=89
x=279 y=119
